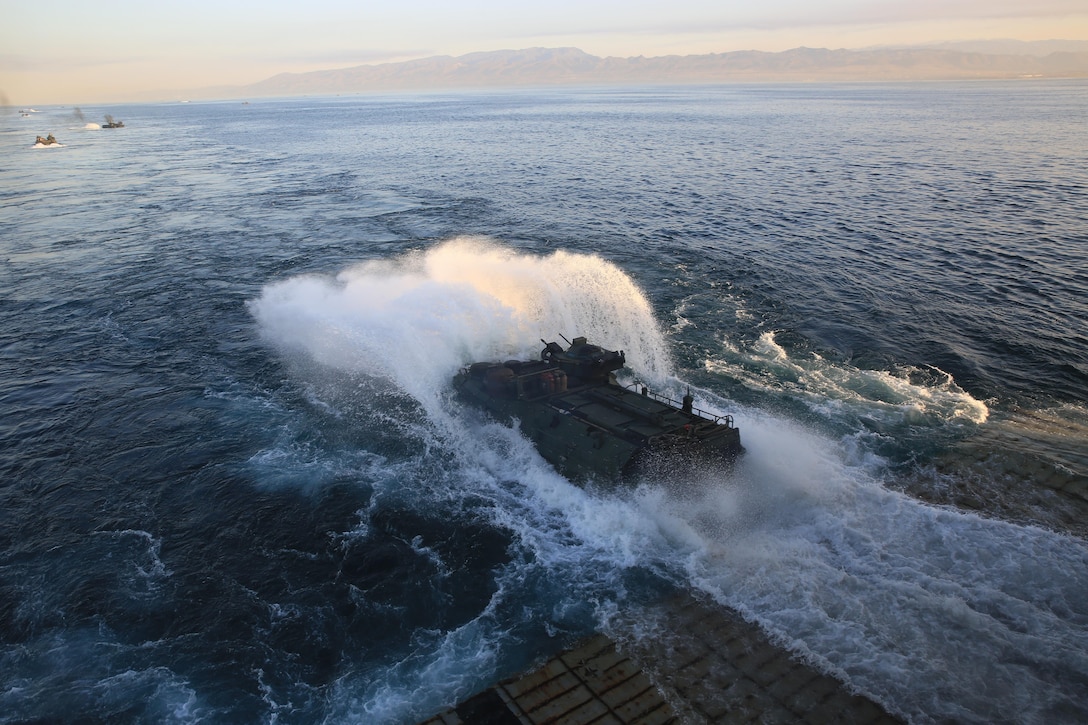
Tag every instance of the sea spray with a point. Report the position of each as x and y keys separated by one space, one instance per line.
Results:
x=938 y=613
x=879 y=589
x=417 y=318
x=909 y=395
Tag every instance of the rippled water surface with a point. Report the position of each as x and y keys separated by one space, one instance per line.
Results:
x=236 y=486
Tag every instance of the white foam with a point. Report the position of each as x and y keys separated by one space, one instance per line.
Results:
x=940 y=615
x=147 y=563
x=907 y=395
x=441 y=669
x=91 y=664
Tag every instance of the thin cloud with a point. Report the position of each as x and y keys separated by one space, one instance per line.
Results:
x=339 y=58
x=50 y=64
x=778 y=15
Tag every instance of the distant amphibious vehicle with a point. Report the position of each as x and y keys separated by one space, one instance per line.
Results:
x=589 y=426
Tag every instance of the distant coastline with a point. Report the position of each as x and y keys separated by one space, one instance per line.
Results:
x=572 y=67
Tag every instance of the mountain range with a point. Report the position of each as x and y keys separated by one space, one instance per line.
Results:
x=570 y=66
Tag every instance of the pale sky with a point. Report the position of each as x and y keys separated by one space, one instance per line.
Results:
x=86 y=51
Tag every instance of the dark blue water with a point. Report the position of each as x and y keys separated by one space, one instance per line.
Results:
x=236 y=487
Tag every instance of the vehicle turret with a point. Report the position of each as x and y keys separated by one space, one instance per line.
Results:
x=584 y=362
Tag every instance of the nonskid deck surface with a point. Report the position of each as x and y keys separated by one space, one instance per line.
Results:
x=704 y=665
x=591 y=683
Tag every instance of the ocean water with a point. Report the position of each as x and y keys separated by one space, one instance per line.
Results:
x=235 y=486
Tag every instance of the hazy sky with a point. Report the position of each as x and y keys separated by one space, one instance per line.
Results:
x=65 y=51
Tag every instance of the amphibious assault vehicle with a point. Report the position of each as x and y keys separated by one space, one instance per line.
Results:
x=589 y=426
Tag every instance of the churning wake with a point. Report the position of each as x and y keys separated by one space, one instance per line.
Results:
x=938 y=614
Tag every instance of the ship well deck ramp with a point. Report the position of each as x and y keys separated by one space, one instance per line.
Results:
x=703 y=664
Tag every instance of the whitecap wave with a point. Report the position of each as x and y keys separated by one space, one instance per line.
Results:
x=906 y=395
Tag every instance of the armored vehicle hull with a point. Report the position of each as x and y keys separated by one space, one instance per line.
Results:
x=587 y=425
